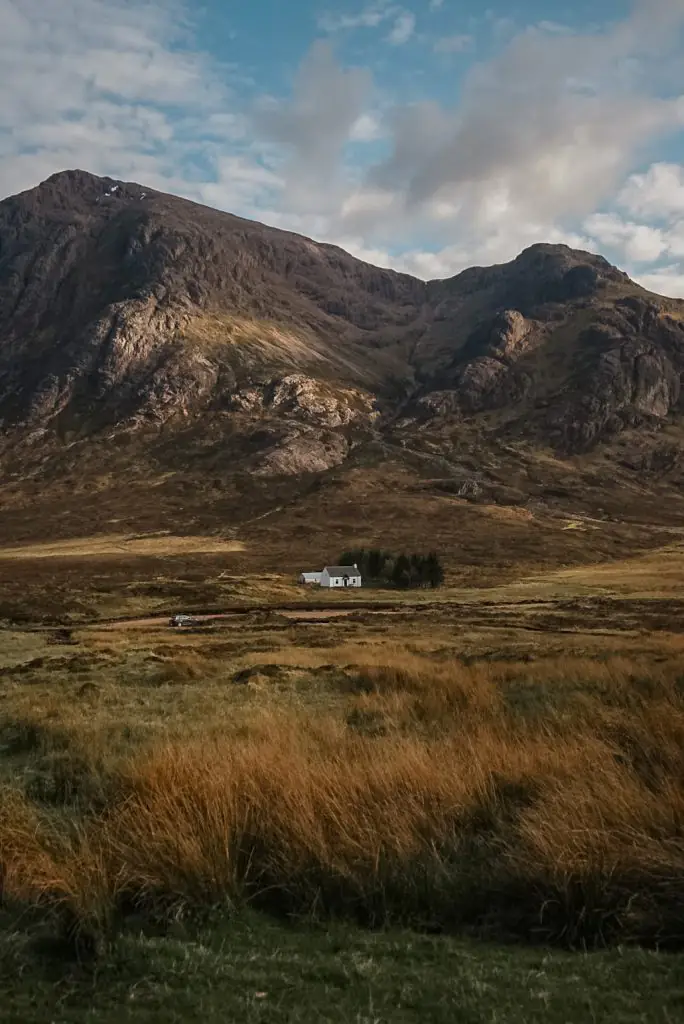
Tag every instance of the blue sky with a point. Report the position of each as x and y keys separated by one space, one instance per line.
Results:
x=428 y=136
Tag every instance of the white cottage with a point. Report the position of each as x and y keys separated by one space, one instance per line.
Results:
x=340 y=576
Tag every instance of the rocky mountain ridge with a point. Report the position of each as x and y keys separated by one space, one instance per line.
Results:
x=125 y=311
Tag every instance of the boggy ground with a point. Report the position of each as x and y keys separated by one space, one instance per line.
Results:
x=495 y=765
x=151 y=541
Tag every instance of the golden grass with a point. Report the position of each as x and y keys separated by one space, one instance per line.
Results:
x=17 y=647
x=506 y=512
x=263 y=337
x=544 y=799
x=43 y=867
x=119 y=545
x=657 y=572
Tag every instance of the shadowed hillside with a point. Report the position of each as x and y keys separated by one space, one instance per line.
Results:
x=170 y=362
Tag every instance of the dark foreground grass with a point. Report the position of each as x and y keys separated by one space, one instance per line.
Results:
x=252 y=969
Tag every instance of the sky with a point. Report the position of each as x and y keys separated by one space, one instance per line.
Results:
x=423 y=135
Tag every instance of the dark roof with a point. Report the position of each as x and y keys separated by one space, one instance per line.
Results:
x=342 y=570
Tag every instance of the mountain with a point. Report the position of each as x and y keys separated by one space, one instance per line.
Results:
x=144 y=334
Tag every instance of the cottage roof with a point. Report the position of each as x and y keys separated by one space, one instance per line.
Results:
x=342 y=570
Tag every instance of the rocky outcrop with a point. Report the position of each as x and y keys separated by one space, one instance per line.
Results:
x=485 y=373
x=488 y=383
x=128 y=365
x=308 y=399
x=310 y=421
x=303 y=451
x=631 y=375
x=509 y=335
x=573 y=380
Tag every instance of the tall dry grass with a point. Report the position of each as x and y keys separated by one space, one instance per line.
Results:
x=46 y=869
x=541 y=800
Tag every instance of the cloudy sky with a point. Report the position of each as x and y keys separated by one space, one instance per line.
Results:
x=426 y=135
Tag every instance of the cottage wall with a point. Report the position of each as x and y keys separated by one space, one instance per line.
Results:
x=339 y=581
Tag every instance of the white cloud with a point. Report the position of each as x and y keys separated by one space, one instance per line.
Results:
x=358 y=247
x=404 y=27
x=373 y=16
x=636 y=244
x=326 y=108
x=640 y=243
x=545 y=133
x=436 y=4
x=240 y=181
x=453 y=44
x=370 y=16
x=554 y=27
x=542 y=138
x=549 y=118
x=366 y=128
x=659 y=192
x=105 y=85
x=365 y=202
x=667 y=281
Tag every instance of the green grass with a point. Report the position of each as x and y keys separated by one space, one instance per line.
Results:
x=253 y=970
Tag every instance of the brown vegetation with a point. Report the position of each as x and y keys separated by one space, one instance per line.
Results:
x=122 y=546
x=543 y=800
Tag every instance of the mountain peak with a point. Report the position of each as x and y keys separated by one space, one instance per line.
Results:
x=90 y=187
x=74 y=175
x=559 y=254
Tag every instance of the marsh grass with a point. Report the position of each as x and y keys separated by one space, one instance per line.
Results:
x=540 y=800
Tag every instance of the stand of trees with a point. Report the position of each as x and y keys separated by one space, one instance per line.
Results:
x=403 y=570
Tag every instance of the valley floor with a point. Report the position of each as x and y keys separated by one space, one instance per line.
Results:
x=455 y=806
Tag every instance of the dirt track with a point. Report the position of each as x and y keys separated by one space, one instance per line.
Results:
x=288 y=613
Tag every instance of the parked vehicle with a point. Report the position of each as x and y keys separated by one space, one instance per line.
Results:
x=181 y=620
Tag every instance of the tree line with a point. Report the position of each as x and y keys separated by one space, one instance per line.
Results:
x=402 y=570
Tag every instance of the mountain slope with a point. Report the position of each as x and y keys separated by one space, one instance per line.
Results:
x=206 y=343
x=121 y=290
